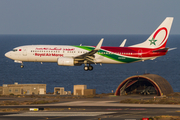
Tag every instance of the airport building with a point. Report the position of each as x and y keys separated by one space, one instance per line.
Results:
x=82 y=90
x=22 y=89
x=147 y=84
x=60 y=91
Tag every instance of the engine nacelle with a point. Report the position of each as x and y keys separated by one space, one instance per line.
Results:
x=65 y=61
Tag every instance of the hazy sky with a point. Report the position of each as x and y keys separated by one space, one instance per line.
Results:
x=86 y=16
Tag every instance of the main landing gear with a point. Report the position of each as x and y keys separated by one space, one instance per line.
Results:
x=22 y=66
x=86 y=68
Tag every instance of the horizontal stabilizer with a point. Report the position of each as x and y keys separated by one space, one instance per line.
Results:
x=161 y=50
x=172 y=49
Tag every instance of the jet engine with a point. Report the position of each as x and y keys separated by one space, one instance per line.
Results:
x=65 y=61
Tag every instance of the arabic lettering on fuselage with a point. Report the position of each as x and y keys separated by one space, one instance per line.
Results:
x=68 y=49
x=64 y=49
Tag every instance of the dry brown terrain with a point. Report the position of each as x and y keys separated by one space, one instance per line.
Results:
x=173 y=98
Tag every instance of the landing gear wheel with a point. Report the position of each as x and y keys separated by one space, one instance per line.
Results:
x=90 y=68
x=86 y=68
x=22 y=66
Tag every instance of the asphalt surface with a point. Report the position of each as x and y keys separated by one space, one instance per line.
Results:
x=125 y=113
x=107 y=108
x=91 y=110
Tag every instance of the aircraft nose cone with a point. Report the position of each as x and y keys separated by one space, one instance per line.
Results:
x=8 y=54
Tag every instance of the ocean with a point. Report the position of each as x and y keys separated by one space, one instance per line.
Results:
x=103 y=78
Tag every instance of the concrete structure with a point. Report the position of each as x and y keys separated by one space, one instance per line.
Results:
x=23 y=89
x=60 y=91
x=79 y=89
x=144 y=84
x=67 y=92
x=89 y=91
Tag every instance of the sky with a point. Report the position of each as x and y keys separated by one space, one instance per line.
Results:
x=87 y=16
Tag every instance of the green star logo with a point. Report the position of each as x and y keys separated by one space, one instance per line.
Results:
x=153 y=41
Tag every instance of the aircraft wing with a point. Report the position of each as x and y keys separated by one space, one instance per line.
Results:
x=89 y=56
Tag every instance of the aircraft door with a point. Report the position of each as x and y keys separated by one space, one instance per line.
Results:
x=140 y=53
x=24 y=51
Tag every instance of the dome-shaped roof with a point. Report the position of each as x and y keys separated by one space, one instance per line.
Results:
x=160 y=84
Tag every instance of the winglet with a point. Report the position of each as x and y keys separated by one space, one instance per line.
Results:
x=123 y=43
x=99 y=44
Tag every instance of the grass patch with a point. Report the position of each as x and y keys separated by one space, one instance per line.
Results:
x=167 y=117
x=153 y=101
x=44 y=101
x=28 y=102
x=13 y=109
x=9 y=103
x=40 y=102
x=130 y=101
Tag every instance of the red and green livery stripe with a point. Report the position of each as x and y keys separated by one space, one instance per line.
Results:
x=119 y=58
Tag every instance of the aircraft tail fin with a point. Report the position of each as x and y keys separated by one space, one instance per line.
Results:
x=159 y=37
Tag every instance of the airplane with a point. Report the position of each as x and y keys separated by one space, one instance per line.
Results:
x=72 y=55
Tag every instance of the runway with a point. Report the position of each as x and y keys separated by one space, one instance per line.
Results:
x=91 y=110
x=93 y=104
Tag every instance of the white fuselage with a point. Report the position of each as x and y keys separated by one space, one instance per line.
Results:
x=50 y=53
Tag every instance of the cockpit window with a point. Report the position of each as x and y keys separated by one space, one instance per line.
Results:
x=14 y=50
